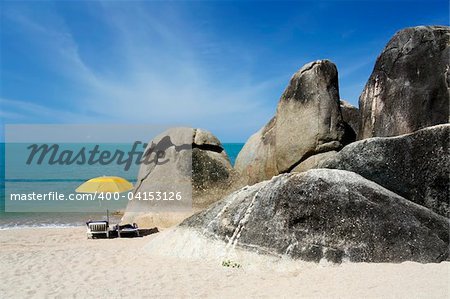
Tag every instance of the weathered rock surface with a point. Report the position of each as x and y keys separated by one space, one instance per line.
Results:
x=185 y=160
x=350 y=115
x=409 y=86
x=308 y=121
x=256 y=160
x=326 y=214
x=415 y=166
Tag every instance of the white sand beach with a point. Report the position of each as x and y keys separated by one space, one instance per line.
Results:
x=61 y=263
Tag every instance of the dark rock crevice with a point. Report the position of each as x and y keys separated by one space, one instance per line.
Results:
x=208 y=147
x=308 y=155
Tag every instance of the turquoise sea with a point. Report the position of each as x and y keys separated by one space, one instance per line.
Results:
x=63 y=179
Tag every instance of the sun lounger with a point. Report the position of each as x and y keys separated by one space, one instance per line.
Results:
x=130 y=230
x=97 y=228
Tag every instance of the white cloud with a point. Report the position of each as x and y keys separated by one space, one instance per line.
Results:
x=166 y=79
x=15 y=111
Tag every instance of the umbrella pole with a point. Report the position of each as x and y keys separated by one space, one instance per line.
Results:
x=107 y=215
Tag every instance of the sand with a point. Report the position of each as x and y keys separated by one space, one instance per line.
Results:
x=61 y=263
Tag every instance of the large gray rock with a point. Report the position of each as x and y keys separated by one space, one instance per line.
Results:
x=409 y=86
x=415 y=166
x=308 y=121
x=256 y=160
x=325 y=214
x=190 y=161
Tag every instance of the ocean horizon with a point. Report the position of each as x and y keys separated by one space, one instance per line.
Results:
x=72 y=177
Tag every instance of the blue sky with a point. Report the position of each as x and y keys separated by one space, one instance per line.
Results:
x=218 y=65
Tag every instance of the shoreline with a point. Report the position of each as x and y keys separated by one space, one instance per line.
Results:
x=50 y=226
x=124 y=267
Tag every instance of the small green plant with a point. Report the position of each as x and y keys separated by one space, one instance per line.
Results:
x=231 y=264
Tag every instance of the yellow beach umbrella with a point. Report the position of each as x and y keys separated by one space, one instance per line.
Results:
x=105 y=184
